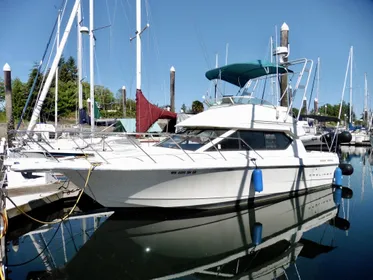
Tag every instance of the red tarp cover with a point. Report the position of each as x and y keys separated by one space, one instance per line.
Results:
x=147 y=114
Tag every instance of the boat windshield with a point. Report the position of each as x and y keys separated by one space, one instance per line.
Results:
x=241 y=99
x=191 y=139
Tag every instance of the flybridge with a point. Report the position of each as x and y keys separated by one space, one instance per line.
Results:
x=247 y=75
x=240 y=73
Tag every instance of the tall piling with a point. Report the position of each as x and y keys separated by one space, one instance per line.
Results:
x=284 y=78
x=172 y=89
x=304 y=109
x=124 y=101
x=8 y=103
x=316 y=106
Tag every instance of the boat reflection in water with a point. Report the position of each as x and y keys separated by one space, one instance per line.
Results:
x=351 y=152
x=258 y=243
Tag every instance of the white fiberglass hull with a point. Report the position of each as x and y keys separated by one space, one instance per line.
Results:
x=173 y=178
x=202 y=188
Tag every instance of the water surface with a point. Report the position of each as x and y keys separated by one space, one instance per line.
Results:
x=315 y=236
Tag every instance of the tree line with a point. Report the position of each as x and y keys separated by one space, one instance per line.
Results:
x=110 y=104
x=332 y=111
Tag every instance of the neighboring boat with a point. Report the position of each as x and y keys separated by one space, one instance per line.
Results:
x=316 y=138
x=261 y=243
x=360 y=136
x=211 y=163
x=37 y=142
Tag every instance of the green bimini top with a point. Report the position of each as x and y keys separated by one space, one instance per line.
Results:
x=240 y=73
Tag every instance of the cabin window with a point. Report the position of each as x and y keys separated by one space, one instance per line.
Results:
x=256 y=140
x=230 y=143
x=191 y=139
x=270 y=141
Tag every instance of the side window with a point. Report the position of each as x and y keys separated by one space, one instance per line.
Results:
x=270 y=141
x=255 y=140
x=282 y=141
x=276 y=141
x=231 y=143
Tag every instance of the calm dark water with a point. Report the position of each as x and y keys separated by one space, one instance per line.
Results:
x=315 y=236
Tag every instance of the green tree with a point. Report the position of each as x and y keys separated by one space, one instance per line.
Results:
x=68 y=70
x=67 y=94
x=19 y=91
x=184 y=108
x=131 y=108
x=197 y=107
x=67 y=100
x=295 y=112
x=105 y=98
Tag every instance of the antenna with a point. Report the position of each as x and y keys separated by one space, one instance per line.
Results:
x=277 y=84
x=272 y=81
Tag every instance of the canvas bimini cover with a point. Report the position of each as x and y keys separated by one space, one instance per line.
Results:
x=240 y=73
x=147 y=114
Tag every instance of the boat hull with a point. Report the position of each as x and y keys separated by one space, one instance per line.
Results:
x=198 y=188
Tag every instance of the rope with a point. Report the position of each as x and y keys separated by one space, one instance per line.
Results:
x=93 y=165
x=296 y=269
x=4 y=216
x=2 y=235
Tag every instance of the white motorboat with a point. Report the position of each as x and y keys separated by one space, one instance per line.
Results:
x=214 y=161
x=209 y=164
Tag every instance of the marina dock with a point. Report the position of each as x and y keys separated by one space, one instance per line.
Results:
x=30 y=198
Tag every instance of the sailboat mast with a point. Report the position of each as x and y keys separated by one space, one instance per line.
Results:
x=316 y=101
x=79 y=62
x=365 y=98
x=91 y=66
x=56 y=87
x=48 y=81
x=351 y=60
x=226 y=62
x=138 y=44
x=216 y=82
x=318 y=78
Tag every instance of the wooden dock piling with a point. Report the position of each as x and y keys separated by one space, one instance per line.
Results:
x=172 y=89
x=124 y=101
x=8 y=102
x=284 y=78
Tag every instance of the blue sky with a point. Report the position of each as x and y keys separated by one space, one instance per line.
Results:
x=188 y=34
